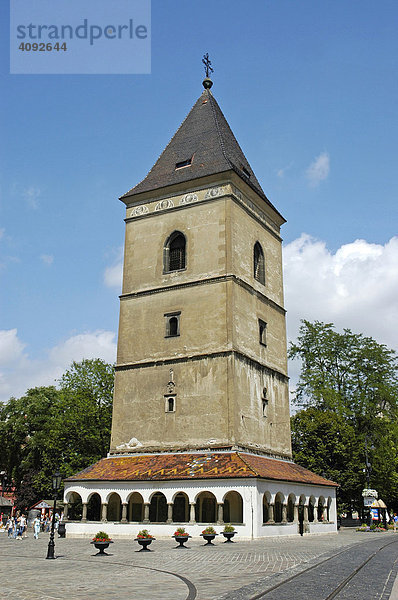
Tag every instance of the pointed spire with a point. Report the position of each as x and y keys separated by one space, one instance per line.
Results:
x=203 y=145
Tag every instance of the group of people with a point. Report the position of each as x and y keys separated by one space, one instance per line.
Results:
x=17 y=526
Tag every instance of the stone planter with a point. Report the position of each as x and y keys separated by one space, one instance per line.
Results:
x=209 y=537
x=229 y=535
x=181 y=539
x=102 y=546
x=144 y=542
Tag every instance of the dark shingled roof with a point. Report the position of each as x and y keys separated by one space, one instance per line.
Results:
x=207 y=139
x=206 y=465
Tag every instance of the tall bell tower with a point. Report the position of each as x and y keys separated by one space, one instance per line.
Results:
x=202 y=361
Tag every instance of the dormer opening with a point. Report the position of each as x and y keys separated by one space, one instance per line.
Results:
x=184 y=163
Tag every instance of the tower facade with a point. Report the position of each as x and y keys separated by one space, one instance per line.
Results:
x=200 y=429
x=202 y=361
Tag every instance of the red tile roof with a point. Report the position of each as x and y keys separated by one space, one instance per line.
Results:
x=206 y=465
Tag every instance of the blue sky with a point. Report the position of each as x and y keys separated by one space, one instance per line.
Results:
x=310 y=91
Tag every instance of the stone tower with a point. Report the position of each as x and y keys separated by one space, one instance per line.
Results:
x=202 y=360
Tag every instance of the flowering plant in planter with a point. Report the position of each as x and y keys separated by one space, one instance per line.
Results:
x=371 y=528
x=180 y=531
x=101 y=536
x=144 y=535
x=209 y=531
x=228 y=528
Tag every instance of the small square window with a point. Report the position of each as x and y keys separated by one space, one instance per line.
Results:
x=262 y=331
x=172 y=324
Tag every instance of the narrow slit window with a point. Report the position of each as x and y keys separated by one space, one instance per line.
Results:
x=173 y=326
x=264 y=402
x=262 y=331
x=246 y=172
x=259 y=263
x=170 y=404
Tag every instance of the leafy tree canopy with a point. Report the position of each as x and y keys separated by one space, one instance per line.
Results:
x=347 y=427
x=49 y=428
x=345 y=372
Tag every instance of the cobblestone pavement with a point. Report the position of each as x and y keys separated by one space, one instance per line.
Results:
x=200 y=573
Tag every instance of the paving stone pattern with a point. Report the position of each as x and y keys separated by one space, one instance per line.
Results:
x=226 y=571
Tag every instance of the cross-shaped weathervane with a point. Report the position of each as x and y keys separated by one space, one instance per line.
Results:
x=207 y=63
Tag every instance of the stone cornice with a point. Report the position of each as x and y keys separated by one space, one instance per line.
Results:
x=209 y=280
x=221 y=354
x=171 y=202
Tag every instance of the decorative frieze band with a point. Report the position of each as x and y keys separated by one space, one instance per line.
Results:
x=201 y=195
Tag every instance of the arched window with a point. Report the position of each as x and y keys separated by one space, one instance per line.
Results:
x=259 y=263
x=174 y=252
x=233 y=508
x=278 y=508
x=94 y=508
x=181 y=508
x=265 y=509
x=136 y=507
x=114 y=510
x=205 y=508
x=158 y=508
x=290 y=508
x=173 y=323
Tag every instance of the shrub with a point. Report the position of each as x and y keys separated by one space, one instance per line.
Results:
x=209 y=530
x=144 y=534
x=101 y=536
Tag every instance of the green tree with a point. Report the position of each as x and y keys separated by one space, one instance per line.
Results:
x=88 y=388
x=49 y=428
x=347 y=392
x=346 y=372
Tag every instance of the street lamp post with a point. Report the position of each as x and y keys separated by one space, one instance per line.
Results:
x=56 y=485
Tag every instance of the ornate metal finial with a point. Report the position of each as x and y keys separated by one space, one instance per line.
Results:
x=207 y=82
x=207 y=63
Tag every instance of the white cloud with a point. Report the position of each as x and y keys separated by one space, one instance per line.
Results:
x=354 y=288
x=318 y=169
x=19 y=372
x=113 y=275
x=47 y=259
x=11 y=348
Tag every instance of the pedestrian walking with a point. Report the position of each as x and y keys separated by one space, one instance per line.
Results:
x=395 y=522
x=36 y=528
x=14 y=527
x=9 y=526
x=23 y=526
